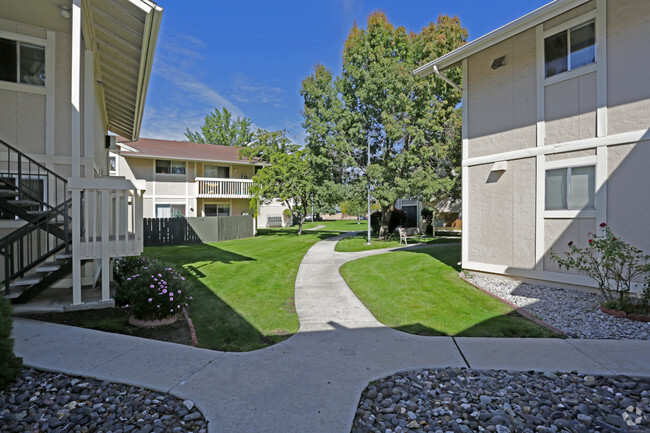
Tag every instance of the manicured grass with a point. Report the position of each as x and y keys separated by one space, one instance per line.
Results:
x=338 y=225
x=358 y=243
x=419 y=292
x=243 y=289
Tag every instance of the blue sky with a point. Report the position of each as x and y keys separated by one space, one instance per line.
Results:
x=251 y=56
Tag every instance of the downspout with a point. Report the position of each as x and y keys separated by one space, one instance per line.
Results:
x=447 y=80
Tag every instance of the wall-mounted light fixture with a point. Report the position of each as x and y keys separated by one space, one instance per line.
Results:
x=65 y=12
x=500 y=166
x=499 y=62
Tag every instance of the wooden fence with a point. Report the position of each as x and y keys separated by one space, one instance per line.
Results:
x=177 y=231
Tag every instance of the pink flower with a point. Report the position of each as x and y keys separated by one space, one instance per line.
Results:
x=591 y=240
x=613 y=239
x=171 y=299
x=164 y=290
x=182 y=278
x=179 y=292
x=150 y=299
x=160 y=275
x=151 y=286
x=603 y=224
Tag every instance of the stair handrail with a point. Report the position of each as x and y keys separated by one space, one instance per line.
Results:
x=41 y=170
x=39 y=223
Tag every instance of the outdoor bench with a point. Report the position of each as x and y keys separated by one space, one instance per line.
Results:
x=409 y=233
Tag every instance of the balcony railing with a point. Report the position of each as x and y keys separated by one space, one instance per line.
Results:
x=209 y=187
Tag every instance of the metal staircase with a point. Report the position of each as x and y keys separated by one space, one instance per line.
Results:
x=37 y=254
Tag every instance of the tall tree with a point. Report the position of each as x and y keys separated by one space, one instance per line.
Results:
x=288 y=175
x=410 y=124
x=220 y=128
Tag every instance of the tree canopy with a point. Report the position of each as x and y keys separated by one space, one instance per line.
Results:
x=220 y=128
x=411 y=124
x=288 y=175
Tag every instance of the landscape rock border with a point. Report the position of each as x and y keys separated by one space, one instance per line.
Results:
x=620 y=314
x=152 y=323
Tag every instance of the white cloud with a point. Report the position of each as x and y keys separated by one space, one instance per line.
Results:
x=244 y=91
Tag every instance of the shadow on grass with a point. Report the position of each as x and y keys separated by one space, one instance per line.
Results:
x=320 y=234
x=511 y=325
x=447 y=254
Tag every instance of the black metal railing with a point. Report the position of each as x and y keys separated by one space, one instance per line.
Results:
x=39 y=197
x=30 y=179
x=25 y=248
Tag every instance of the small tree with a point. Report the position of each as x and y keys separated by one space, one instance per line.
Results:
x=610 y=261
x=288 y=176
x=220 y=128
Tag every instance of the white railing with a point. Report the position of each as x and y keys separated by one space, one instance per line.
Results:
x=210 y=187
x=106 y=223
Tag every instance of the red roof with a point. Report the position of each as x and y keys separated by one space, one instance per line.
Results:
x=183 y=150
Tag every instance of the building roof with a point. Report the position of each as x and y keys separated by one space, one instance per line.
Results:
x=181 y=150
x=517 y=26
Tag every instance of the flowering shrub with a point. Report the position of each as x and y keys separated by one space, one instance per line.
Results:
x=124 y=268
x=155 y=291
x=611 y=262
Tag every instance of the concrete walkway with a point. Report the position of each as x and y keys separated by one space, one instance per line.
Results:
x=312 y=381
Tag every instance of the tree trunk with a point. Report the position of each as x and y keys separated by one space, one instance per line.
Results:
x=386 y=212
x=299 y=226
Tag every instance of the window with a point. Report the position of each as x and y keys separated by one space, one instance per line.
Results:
x=170 y=167
x=22 y=62
x=216 y=210
x=170 y=210
x=570 y=49
x=216 y=171
x=112 y=164
x=570 y=188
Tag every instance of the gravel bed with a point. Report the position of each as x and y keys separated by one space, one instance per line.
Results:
x=576 y=313
x=465 y=401
x=52 y=402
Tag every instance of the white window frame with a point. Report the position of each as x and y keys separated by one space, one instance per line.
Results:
x=217 y=205
x=25 y=87
x=591 y=16
x=170 y=206
x=587 y=161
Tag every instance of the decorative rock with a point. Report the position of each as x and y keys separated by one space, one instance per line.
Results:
x=40 y=401
x=188 y=404
x=463 y=401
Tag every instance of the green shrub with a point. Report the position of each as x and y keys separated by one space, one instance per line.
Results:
x=427 y=220
x=10 y=364
x=397 y=218
x=156 y=291
x=124 y=268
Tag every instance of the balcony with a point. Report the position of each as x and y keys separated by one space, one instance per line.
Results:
x=210 y=187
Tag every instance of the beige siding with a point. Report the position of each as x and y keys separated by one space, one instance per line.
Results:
x=240 y=206
x=502 y=104
x=573 y=13
x=570 y=109
x=63 y=105
x=171 y=185
x=502 y=214
x=628 y=193
x=137 y=168
x=240 y=170
x=628 y=63
x=558 y=232
x=570 y=155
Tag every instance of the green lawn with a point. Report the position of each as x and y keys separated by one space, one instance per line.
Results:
x=358 y=243
x=243 y=289
x=338 y=225
x=419 y=292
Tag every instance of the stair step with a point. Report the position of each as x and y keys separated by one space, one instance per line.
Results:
x=63 y=256
x=13 y=294
x=36 y=212
x=49 y=267
x=7 y=193
x=25 y=203
x=27 y=280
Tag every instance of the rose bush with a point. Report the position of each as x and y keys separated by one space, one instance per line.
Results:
x=614 y=264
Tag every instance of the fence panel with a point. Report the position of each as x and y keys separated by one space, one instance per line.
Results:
x=177 y=231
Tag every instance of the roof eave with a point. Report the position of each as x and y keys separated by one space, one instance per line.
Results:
x=509 y=30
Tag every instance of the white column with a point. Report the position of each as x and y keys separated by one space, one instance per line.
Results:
x=106 y=269
x=75 y=142
x=89 y=106
x=464 y=173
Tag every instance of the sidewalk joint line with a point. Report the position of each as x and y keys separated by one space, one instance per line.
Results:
x=568 y=341
x=461 y=352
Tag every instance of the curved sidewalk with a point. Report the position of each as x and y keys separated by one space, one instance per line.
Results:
x=312 y=381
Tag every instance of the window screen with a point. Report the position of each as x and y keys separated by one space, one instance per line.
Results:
x=571 y=188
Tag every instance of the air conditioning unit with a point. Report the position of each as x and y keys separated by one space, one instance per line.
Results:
x=110 y=142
